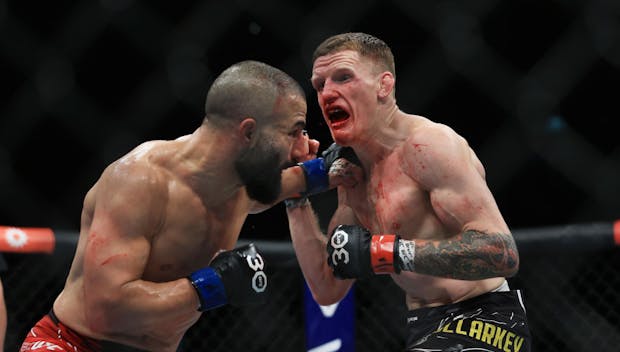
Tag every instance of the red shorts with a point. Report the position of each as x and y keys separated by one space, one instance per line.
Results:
x=49 y=334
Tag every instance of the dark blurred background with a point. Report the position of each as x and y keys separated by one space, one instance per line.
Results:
x=531 y=84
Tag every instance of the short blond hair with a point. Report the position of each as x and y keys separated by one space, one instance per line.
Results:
x=365 y=44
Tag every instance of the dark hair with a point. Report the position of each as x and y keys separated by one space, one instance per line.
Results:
x=248 y=89
x=365 y=44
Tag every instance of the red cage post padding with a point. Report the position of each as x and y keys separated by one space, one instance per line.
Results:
x=26 y=239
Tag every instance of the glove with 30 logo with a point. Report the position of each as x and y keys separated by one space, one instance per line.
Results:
x=236 y=277
x=353 y=253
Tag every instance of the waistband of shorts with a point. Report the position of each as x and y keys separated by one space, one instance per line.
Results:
x=88 y=343
x=489 y=299
x=53 y=316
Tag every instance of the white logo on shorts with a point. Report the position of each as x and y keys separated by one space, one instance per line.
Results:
x=44 y=344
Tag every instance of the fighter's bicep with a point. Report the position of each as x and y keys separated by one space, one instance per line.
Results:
x=464 y=201
x=114 y=251
x=127 y=213
x=454 y=178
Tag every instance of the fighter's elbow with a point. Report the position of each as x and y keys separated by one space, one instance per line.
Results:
x=324 y=299
x=505 y=255
x=511 y=267
x=328 y=294
x=507 y=258
x=100 y=317
x=97 y=323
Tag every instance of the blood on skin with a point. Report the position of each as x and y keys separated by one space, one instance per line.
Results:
x=95 y=242
x=379 y=190
x=92 y=237
x=116 y=256
x=418 y=148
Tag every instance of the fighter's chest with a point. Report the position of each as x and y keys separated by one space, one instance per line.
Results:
x=390 y=201
x=191 y=237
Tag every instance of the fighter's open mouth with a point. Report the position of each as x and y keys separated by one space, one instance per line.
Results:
x=337 y=115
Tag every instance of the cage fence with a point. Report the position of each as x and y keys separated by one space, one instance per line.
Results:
x=572 y=299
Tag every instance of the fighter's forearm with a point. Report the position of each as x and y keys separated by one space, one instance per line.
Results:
x=472 y=255
x=140 y=306
x=310 y=247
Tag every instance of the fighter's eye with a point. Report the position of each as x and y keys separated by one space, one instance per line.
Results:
x=318 y=85
x=343 y=77
x=297 y=133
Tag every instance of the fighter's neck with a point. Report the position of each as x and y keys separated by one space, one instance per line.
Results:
x=381 y=140
x=206 y=163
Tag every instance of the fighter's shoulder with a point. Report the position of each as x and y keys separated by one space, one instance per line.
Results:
x=138 y=167
x=433 y=137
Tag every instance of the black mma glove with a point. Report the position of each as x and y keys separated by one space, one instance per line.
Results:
x=316 y=172
x=335 y=152
x=236 y=277
x=353 y=253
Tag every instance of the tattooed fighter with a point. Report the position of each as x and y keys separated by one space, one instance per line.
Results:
x=423 y=212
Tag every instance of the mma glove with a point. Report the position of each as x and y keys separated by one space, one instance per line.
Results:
x=236 y=277
x=353 y=253
x=316 y=172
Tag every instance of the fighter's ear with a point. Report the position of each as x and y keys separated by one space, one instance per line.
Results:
x=386 y=84
x=247 y=130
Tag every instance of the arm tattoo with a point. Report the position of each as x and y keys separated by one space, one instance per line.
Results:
x=472 y=255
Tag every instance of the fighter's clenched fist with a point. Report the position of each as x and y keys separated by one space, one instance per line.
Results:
x=354 y=253
x=236 y=277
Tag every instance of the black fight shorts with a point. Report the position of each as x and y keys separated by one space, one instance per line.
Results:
x=494 y=322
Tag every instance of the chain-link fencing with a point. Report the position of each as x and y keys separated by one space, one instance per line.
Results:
x=571 y=298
